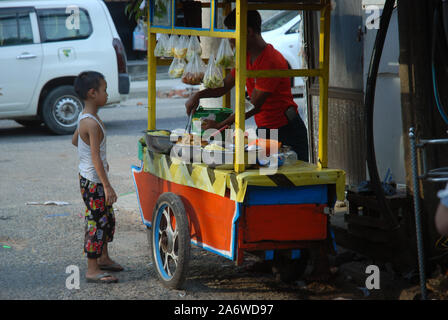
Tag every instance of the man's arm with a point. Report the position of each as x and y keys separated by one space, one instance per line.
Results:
x=192 y=103
x=258 y=99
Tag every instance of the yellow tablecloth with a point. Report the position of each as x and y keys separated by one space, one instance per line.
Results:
x=217 y=181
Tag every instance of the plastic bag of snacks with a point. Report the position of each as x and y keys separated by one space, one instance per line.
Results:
x=194 y=71
x=162 y=43
x=171 y=45
x=181 y=47
x=213 y=75
x=225 y=57
x=193 y=47
x=177 y=68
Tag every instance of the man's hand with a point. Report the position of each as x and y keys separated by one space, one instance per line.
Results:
x=209 y=124
x=111 y=196
x=192 y=103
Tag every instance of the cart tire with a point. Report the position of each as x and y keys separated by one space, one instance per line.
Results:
x=169 y=240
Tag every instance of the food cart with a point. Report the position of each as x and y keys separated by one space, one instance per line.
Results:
x=239 y=209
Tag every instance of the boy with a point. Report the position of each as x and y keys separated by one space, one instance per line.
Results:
x=96 y=190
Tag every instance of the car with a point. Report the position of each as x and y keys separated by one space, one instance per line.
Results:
x=282 y=30
x=44 y=45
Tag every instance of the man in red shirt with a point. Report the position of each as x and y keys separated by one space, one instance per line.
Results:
x=274 y=107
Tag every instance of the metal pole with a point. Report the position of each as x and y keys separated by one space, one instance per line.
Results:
x=418 y=227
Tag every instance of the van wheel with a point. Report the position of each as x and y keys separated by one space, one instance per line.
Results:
x=60 y=110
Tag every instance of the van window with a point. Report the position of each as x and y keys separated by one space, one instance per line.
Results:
x=62 y=24
x=15 y=29
x=278 y=20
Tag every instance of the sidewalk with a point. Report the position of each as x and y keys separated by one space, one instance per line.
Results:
x=165 y=88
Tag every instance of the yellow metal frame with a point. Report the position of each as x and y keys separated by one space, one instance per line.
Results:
x=242 y=6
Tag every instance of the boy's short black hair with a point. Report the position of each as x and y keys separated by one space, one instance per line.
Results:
x=253 y=20
x=87 y=80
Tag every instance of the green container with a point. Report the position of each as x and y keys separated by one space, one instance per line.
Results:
x=219 y=115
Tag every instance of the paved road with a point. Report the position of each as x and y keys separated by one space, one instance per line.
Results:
x=36 y=166
x=38 y=243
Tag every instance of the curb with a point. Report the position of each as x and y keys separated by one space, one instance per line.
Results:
x=170 y=88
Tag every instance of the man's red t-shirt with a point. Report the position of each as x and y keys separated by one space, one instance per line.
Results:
x=272 y=114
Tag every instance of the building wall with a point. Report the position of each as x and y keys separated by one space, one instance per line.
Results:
x=346 y=143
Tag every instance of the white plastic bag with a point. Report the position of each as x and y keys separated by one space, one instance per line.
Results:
x=177 y=68
x=139 y=42
x=171 y=45
x=213 y=76
x=194 y=71
x=181 y=47
x=225 y=57
x=194 y=47
x=162 y=44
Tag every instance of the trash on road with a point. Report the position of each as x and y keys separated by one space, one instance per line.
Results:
x=48 y=203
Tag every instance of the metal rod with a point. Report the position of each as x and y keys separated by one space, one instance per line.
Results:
x=417 y=214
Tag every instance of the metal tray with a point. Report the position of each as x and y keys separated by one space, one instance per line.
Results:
x=159 y=144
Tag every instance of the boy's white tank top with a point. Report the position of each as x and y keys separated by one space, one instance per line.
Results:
x=86 y=167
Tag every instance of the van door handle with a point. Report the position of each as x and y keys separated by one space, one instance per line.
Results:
x=26 y=55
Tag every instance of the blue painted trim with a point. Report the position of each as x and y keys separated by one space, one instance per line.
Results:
x=190 y=28
x=317 y=194
x=224 y=30
x=156 y=243
x=269 y=255
x=296 y=254
x=235 y=222
x=136 y=169
x=211 y=249
x=333 y=240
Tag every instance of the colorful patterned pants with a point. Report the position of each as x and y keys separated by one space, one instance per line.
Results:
x=99 y=218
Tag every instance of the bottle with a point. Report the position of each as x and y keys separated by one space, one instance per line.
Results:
x=290 y=158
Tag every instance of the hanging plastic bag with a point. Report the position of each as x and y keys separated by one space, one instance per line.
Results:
x=213 y=75
x=225 y=57
x=162 y=44
x=181 y=47
x=171 y=45
x=194 y=47
x=194 y=71
x=139 y=42
x=177 y=68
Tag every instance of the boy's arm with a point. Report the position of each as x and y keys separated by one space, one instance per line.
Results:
x=95 y=133
x=75 y=138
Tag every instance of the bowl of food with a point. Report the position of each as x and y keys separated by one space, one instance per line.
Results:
x=159 y=141
x=188 y=147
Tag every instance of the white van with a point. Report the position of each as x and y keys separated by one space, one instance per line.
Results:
x=44 y=45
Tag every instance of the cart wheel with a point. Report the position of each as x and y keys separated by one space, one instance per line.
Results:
x=169 y=240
